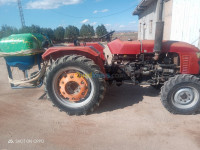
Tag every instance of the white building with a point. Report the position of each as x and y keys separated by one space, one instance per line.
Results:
x=181 y=17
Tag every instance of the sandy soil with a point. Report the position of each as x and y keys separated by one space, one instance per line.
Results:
x=130 y=117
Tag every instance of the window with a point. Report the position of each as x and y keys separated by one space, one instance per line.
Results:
x=144 y=31
x=150 y=26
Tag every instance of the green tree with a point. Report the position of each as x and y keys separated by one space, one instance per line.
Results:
x=35 y=29
x=59 y=33
x=101 y=30
x=7 y=30
x=30 y=29
x=25 y=29
x=49 y=32
x=87 y=31
x=72 y=32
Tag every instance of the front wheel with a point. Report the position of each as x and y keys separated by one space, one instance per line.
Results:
x=181 y=94
x=75 y=84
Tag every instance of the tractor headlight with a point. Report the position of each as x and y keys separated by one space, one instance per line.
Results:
x=198 y=55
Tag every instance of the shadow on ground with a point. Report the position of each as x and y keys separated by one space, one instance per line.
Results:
x=124 y=96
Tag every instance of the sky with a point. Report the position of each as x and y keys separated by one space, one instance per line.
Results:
x=114 y=14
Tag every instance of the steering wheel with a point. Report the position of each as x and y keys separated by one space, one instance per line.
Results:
x=107 y=35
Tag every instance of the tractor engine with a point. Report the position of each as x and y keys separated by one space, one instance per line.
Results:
x=143 y=68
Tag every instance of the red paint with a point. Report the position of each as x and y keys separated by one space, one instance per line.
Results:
x=169 y=46
x=188 y=58
x=57 y=52
x=97 y=46
x=124 y=47
x=134 y=47
x=187 y=53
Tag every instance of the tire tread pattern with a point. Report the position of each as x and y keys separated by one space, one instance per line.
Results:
x=171 y=83
x=95 y=68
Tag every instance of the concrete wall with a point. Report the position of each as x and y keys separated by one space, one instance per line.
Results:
x=167 y=15
x=145 y=25
x=186 y=21
x=181 y=19
x=146 y=29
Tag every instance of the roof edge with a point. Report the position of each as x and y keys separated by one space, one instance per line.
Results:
x=143 y=5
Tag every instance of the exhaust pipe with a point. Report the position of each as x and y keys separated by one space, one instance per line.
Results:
x=159 y=30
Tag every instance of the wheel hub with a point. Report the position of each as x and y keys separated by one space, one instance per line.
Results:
x=184 y=96
x=73 y=87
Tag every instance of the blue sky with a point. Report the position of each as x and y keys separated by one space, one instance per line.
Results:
x=114 y=14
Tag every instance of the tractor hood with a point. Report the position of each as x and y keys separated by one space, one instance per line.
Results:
x=146 y=46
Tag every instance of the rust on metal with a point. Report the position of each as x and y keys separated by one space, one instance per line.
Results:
x=73 y=87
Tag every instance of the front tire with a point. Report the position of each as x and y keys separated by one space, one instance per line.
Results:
x=181 y=94
x=75 y=84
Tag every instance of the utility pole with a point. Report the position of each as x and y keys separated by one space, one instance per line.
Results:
x=21 y=13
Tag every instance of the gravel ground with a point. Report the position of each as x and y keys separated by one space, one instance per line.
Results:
x=130 y=117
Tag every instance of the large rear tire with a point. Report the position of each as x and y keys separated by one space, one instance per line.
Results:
x=75 y=84
x=181 y=94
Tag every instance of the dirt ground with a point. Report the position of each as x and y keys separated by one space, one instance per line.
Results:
x=130 y=117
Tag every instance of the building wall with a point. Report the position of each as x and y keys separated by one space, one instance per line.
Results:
x=147 y=22
x=181 y=18
x=186 y=21
x=167 y=15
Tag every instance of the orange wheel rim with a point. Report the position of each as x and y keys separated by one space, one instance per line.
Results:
x=73 y=87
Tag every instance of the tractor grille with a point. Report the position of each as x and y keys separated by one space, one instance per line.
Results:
x=185 y=64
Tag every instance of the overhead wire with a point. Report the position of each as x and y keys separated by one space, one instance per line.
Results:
x=92 y=17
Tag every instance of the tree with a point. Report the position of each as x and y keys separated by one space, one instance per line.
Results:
x=72 y=32
x=101 y=30
x=35 y=29
x=59 y=33
x=7 y=30
x=49 y=32
x=30 y=29
x=87 y=31
x=25 y=29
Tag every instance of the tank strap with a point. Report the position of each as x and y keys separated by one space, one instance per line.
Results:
x=22 y=53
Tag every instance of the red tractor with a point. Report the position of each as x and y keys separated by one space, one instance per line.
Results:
x=76 y=80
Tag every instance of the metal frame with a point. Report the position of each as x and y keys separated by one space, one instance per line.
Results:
x=25 y=75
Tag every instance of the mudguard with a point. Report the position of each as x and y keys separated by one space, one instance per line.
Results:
x=87 y=51
x=98 y=46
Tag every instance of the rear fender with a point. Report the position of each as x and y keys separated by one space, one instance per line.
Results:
x=98 y=46
x=89 y=52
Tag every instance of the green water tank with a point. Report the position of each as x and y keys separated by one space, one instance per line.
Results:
x=22 y=50
x=22 y=42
